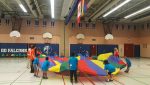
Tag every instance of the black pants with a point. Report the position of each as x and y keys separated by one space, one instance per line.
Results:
x=31 y=66
x=73 y=73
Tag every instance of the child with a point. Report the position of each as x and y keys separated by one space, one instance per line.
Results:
x=110 y=69
x=45 y=67
x=36 y=66
x=128 y=63
x=73 y=64
x=116 y=52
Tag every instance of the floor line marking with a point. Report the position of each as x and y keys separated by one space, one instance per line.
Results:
x=135 y=79
x=18 y=77
x=88 y=78
x=41 y=81
x=63 y=79
x=80 y=81
x=100 y=80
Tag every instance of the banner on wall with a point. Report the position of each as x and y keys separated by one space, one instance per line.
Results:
x=13 y=50
x=49 y=49
x=20 y=50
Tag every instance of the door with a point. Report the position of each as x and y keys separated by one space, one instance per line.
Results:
x=129 y=50
x=93 y=51
x=137 y=51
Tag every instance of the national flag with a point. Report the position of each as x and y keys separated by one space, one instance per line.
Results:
x=79 y=12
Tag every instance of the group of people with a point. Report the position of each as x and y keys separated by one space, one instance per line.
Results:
x=33 y=57
x=110 y=68
x=73 y=64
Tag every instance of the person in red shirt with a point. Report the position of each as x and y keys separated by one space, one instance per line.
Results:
x=28 y=57
x=116 y=52
x=32 y=58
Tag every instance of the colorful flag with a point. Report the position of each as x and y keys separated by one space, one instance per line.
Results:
x=84 y=7
x=79 y=12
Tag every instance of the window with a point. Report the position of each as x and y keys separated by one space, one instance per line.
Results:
x=36 y=22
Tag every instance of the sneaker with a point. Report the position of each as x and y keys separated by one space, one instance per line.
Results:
x=34 y=75
x=37 y=76
x=107 y=80
x=46 y=77
x=111 y=80
x=126 y=71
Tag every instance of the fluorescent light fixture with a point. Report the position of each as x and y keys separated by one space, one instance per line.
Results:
x=23 y=8
x=137 y=12
x=52 y=8
x=117 y=7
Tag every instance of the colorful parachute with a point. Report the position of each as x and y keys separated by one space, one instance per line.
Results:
x=103 y=57
x=117 y=62
x=91 y=67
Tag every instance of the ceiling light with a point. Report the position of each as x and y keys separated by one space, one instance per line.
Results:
x=117 y=7
x=23 y=8
x=137 y=12
x=52 y=8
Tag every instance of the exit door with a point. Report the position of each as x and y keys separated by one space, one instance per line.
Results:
x=129 y=50
x=93 y=50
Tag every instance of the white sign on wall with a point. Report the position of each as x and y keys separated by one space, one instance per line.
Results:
x=12 y=50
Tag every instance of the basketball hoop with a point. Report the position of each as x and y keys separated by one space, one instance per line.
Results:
x=14 y=35
x=109 y=37
x=80 y=38
x=47 y=37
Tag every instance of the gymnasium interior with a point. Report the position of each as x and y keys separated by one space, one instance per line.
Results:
x=89 y=28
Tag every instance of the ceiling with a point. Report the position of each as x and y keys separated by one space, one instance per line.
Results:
x=96 y=9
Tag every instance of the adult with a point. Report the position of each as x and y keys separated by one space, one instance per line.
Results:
x=32 y=58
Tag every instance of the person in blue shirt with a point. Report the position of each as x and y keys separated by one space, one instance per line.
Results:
x=73 y=66
x=55 y=54
x=110 y=69
x=87 y=54
x=45 y=67
x=36 y=66
x=128 y=63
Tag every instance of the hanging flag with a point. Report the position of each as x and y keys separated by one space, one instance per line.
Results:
x=82 y=3
x=84 y=7
x=79 y=12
